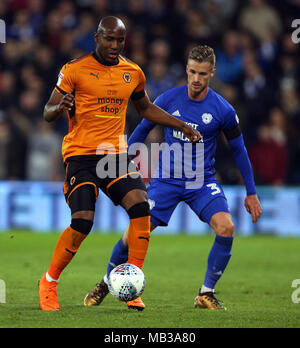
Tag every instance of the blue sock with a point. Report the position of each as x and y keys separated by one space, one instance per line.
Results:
x=119 y=255
x=218 y=259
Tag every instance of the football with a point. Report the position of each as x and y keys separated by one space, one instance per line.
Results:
x=126 y=282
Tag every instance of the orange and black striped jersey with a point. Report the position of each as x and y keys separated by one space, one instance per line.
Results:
x=102 y=93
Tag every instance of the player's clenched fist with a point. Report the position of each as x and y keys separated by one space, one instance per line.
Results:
x=57 y=105
x=192 y=134
x=66 y=103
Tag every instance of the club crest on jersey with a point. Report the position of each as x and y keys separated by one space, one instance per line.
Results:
x=207 y=118
x=127 y=77
x=72 y=181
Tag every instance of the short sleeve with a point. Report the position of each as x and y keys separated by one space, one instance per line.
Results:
x=160 y=101
x=142 y=82
x=66 y=79
x=231 y=120
x=139 y=91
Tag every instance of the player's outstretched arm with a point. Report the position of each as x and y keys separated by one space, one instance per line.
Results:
x=155 y=114
x=57 y=105
x=241 y=157
x=141 y=132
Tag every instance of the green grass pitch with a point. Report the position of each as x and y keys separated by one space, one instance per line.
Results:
x=256 y=287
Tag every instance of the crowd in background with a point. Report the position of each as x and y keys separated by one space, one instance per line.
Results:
x=257 y=72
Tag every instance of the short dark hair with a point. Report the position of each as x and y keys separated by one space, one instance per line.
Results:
x=203 y=53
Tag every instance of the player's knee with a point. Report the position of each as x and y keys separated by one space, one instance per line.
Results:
x=139 y=210
x=225 y=229
x=133 y=198
x=84 y=214
x=82 y=202
x=82 y=225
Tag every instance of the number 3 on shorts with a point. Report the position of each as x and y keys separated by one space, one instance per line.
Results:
x=214 y=188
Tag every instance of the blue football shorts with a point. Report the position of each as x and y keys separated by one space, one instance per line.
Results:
x=164 y=196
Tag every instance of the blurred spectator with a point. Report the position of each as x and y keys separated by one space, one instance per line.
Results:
x=66 y=8
x=247 y=41
x=30 y=104
x=218 y=14
x=278 y=126
x=258 y=70
x=11 y=56
x=5 y=141
x=177 y=23
x=100 y=8
x=227 y=171
x=160 y=50
x=3 y=8
x=268 y=158
x=157 y=10
x=21 y=28
x=158 y=79
x=136 y=11
x=260 y=19
x=290 y=103
x=257 y=94
x=268 y=51
x=230 y=59
x=7 y=90
x=196 y=27
x=17 y=129
x=27 y=75
x=53 y=30
x=85 y=33
x=45 y=63
x=137 y=47
x=289 y=73
x=43 y=154
x=37 y=18
x=16 y=5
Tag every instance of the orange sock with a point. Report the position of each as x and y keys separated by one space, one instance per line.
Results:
x=66 y=248
x=138 y=240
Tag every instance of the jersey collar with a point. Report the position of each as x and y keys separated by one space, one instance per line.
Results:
x=102 y=62
x=197 y=101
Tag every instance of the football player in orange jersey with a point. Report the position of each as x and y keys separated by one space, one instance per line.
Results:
x=94 y=91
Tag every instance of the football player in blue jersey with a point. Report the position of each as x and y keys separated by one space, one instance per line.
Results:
x=197 y=105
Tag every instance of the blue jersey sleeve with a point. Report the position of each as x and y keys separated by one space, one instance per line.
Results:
x=141 y=132
x=231 y=120
x=241 y=157
x=160 y=101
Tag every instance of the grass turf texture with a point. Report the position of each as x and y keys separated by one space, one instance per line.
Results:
x=256 y=287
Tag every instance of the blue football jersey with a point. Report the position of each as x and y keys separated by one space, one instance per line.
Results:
x=209 y=116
